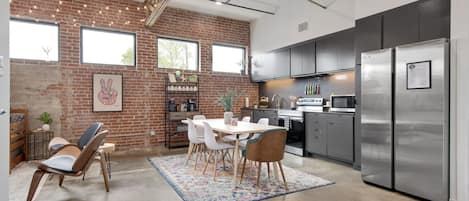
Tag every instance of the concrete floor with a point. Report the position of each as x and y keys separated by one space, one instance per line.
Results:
x=134 y=179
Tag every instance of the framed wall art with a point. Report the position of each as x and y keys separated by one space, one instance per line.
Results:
x=107 y=92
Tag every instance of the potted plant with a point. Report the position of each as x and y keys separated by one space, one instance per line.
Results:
x=46 y=120
x=228 y=99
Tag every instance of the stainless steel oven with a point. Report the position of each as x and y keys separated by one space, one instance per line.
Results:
x=342 y=103
x=293 y=122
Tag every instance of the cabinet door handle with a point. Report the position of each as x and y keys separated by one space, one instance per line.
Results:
x=316 y=130
x=316 y=137
x=331 y=123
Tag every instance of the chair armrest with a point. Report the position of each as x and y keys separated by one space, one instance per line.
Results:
x=69 y=149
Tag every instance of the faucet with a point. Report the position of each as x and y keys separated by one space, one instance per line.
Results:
x=278 y=100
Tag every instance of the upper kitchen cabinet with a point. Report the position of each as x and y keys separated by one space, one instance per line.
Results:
x=434 y=19
x=261 y=67
x=272 y=65
x=401 y=26
x=367 y=35
x=281 y=64
x=303 y=60
x=335 y=52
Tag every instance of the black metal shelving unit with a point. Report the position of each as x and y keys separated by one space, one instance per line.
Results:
x=179 y=91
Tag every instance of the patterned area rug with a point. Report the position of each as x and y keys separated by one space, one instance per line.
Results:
x=192 y=185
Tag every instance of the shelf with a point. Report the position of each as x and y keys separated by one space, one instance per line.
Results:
x=183 y=92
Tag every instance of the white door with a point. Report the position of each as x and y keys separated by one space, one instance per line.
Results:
x=4 y=98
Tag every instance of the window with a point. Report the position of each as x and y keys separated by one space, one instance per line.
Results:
x=107 y=47
x=178 y=54
x=34 y=40
x=229 y=59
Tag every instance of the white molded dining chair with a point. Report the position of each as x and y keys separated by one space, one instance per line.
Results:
x=215 y=148
x=199 y=117
x=196 y=142
x=232 y=138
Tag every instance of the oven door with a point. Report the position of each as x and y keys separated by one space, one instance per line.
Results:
x=296 y=136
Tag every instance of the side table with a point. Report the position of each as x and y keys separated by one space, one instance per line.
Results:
x=107 y=149
x=37 y=144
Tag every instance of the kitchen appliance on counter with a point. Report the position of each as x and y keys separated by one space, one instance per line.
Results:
x=264 y=102
x=342 y=103
x=405 y=118
x=191 y=105
x=172 y=105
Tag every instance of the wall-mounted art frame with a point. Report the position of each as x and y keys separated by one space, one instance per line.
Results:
x=107 y=92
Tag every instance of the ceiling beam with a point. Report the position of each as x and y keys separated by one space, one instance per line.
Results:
x=156 y=8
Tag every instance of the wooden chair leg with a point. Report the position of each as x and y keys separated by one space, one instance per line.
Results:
x=242 y=171
x=283 y=175
x=104 y=171
x=223 y=153
x=197 y=152
x=189 y=153
x=35 y=183
x=61 y=180
x=215 y=166
x=268 y=170
x=206 y=162
x=258 y=176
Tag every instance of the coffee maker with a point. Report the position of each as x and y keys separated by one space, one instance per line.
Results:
x=191 y=105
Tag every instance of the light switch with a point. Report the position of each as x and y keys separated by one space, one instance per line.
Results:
x=2 y=67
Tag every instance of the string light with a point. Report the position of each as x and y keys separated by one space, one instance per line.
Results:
x=100 y=12
x=52 y=15
x=57 y=10
x=79 y=11
x=126 y=8
x=74 y=20
x=35 y=7
x=119 y=11
x=84 y=5
x=107 y=7
x=138 y=8
x=60 y=2
x=30 y=11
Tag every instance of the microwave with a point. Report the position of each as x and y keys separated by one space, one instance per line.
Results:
x=342 y=103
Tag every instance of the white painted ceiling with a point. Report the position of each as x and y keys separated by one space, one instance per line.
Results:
x=209 y=7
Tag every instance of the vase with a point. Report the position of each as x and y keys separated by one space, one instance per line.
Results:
x=46 y=127
x=227 y=116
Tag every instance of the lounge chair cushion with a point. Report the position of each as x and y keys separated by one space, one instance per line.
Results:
x=61 y=162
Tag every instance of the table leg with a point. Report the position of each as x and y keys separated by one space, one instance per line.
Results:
x=108 y=161
x=236 y=162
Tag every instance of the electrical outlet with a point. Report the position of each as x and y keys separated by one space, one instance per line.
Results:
x=151 y=133
x=303 y=27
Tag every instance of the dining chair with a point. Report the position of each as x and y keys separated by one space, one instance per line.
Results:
x=232 y=138
x=199 y=117
x=71 y=161
x=215 y=149
x=262 y=121
x=268 y=147
x=196 y=142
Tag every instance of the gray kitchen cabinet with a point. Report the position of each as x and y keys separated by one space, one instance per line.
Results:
x=261 y=68
x=303 y=60
x=315 y=133
x=340 y=137
x=280 y=64
x=272 y=115
x=271 y=65
x=336 y=52
x=401 y=26
x=330 y=135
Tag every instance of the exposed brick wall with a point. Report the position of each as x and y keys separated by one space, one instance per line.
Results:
x=69 y=91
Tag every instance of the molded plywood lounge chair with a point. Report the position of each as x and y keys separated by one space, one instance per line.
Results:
x=71 y=161
x=57 y=142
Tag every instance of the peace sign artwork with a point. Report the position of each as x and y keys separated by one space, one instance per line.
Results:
x=107 y=92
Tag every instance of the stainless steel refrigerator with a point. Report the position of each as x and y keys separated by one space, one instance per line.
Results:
x=405 y=118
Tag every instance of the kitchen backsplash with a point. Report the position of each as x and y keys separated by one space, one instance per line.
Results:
x=338 y=83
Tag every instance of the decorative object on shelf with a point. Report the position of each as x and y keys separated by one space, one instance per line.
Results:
x=107 y=92
x=228 y=99
x=234 y=122
x=246 y=102
x=172 y=77
x=255 y=105
x=178 y=74
x=46 y=120
x=193 y=78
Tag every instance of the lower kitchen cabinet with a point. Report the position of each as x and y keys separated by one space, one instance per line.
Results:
x=331 y=135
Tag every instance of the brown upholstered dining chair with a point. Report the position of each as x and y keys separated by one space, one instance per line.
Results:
x=71 y=161
x=268 y=147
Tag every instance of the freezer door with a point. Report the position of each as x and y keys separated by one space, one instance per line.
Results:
x=421 y=119
x=376 y=117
